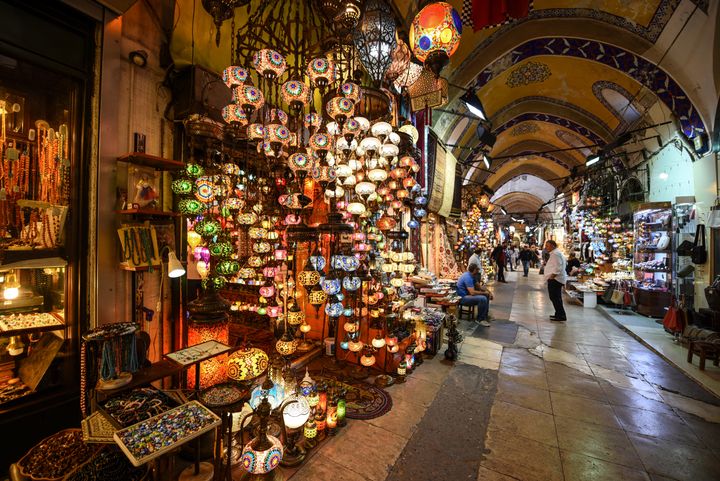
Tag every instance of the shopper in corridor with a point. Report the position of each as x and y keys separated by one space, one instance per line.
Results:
x=556 y=277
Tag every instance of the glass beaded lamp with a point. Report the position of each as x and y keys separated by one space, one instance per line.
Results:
x=377 y=175
x=367 y=359
x=182 y=186
x=356 y=208
x=409 y=76
x=234 y=75
x=340 y=108
x=250 y=98
x=286 y=345
x=269 y=63
x=313 y=120
x=234 y=113
x=247 y=364
x=296 y=412
x=355 y=346
x=296 y=94
x=435 y=35
x=322 y=72
x=364 y=188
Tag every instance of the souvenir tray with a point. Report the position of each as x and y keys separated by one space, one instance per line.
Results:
x=136 y=405
x=29 y=322
x=55 y=456
x=222 y=395
x=149 y=439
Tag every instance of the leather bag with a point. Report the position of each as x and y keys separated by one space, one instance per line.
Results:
x=699 y=251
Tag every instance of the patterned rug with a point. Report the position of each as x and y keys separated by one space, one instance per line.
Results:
x=364 y=401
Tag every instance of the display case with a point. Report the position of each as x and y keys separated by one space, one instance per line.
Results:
x=652 y=263
x=684 y=227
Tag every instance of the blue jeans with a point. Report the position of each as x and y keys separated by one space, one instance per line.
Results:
x=480 y=302
x=526 y=267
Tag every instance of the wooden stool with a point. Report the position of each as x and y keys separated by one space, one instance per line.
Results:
x=706 y=350
x=470 y=310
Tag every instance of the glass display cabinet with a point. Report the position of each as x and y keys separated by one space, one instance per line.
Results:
x=652 y=261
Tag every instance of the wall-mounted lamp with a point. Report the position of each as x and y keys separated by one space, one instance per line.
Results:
x=139 y=58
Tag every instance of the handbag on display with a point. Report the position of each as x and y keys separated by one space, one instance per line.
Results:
x=686 y=271
x=607 y=295
x=699 y=251
x=672 y=322
x=618 y=297
x=685 y=248
x=664 y=242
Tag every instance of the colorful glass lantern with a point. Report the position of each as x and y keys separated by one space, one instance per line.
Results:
x=435 y=35
x=331 y=419
x=409 y=76
x=234 y=113
x=331 y=286
x=355 y=346
x=299 y=162
x=313 y=120
x=351 y=284
x=356 y=208
x=262 y=461
x=296 y=94
x=400 y=60
x=212 y=371
x=402 y=368
x=340 y=108
x=377 y=175
x=296 y=412
x=190 y=206
x=246 y=364
x=321 y=71
x=250 y=98
x=182 y=186
x=367 y=359
x=295 y=316
x=269 y=63
x=378 y=342
x=286 y=345
x=234 y=75
x=317 y=297
x=352 y=91
x=275 y=394
x=308 y=277
x=310 y=431
x=351 y=327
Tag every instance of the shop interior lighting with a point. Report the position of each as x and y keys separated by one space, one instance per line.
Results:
x=592 y=159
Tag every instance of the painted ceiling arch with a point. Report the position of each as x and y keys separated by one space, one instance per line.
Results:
x=520 y=203
x=530 y=184
x=531 y=164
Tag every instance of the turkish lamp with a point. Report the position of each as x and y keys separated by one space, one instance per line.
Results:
x=12 y=286
x=356 y=208
x=343 y=171
x=249 y=97
x=378 y=342
x=286 y=345
x=296 y=412
x=340 y=109
x=370 y=145
x=367 y=359
x=375 y=39
x=381 y=130
x=246 y=364
x=233 y=76
x=377 y=175
x=296 y=94
x=15 y=347
x=355 y=346
x=435 y=35
x=269 y=63
x=322 y=72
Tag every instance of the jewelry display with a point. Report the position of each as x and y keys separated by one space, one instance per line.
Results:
x=108 y=464
x=56 y=456
x=137 y=405
x=153 y=437
x=12 y=389
x=116 y=345
x=139 y=246
x=198 y=352
x=222 y=395
x=17 y=322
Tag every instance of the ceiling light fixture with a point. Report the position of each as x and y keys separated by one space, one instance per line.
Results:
x=592 y=159
x=473 y=104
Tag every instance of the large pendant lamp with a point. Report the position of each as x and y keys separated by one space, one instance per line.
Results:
x=375 y=40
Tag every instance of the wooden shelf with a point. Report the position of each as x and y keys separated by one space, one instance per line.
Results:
x=160 y=163
x=148 y=213
x=139 y=268
x=11 y=256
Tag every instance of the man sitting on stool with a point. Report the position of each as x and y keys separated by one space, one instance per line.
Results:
x=472 y=296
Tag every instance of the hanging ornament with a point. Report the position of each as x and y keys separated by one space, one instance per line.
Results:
x=269 y=63
x=375 y=40
x=435 y=35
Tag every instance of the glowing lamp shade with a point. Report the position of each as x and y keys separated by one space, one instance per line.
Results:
x=321 y=71
x=295 y=316
x=351 y=91
x=351 y=327
x=246 y=364
x=317 y=297
x=381 y=129
x=233 y=76
x=435 y=35
x=320 y=142
x=249 y=98
x=269 y=63
x=331 y=420
x=308 y=278
x=340 y=108
x=364 y=188
x=296 y=414
x=330 y=286
x=262 y=462
x=351 y=284
x=409 y=76
x=212 y=371
x=274 y=395
x=370 y=144
x=313 y=120
x=367 y=360
x=296 y=94
x=175 y=268
x=310 y=431
x=234 y=113
x=402 y=368
x=386 y=223
x=299 y=162
x=305 y=328
x=411 y=131
x=355 y=346
x=286 y=346
x=377 y=175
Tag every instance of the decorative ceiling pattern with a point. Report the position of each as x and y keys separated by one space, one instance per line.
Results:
x=627 y=63
x=527 y=74
x=568 y=124
x=524 y=128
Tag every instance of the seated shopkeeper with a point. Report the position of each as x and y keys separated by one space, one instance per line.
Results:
x=473 y=294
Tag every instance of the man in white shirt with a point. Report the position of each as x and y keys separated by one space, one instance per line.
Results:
x=556 y=277
x=476 y=259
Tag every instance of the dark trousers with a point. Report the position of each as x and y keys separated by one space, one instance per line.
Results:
x=526 y=268
x=555 y=293
x=501 y=272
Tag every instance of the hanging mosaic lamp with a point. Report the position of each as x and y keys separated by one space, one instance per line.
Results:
x=435 y=35
x=409 y=76
x=247 y=363
x=340 y=108
x=351 y=90
x=322 y=72
x=296 y=94
x=234 y=76
x=269 y=63
x=234 y=113
x=248 y=97
x=400 y=60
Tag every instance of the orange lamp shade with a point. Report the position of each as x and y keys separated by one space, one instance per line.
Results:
x=212 y=371
x=437 y=27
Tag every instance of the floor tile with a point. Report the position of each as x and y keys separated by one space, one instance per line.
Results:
x=520 y=358
x=584 y=386
x=522 y=459
x=523 y=395
x=523 y=422
x=596 y=441
x=485 y=474
x=578 y=467
x=676 y=461
x=321 y=467
x=402 y=418
x=662 y=426
x=583 y=409
x=529 y=376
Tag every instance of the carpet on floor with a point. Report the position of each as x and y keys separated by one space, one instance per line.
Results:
x=364 y=401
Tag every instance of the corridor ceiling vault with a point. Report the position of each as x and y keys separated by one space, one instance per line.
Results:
x=573 y=73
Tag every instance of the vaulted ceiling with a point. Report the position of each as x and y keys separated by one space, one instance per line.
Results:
x=572 y=74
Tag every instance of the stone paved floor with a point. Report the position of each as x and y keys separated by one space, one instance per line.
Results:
x=581 y=400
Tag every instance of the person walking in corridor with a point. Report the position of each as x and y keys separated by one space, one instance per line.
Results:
x=526 y=257
x=499 y=257
x=556 y=277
